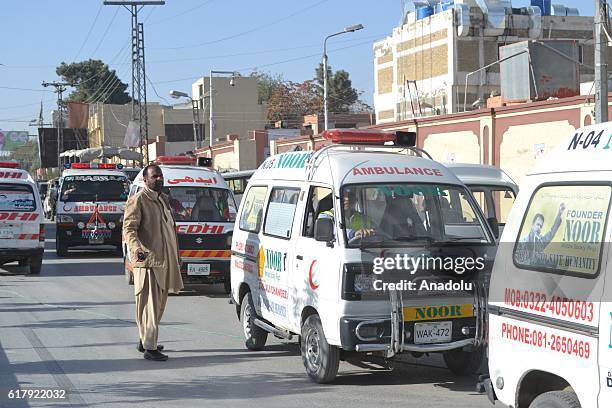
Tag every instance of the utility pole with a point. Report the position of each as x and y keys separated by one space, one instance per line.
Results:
x=60 y=87
x=139 y=78
x=601 y=65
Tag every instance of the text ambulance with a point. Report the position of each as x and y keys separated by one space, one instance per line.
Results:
x=550 y=299
x=332 y=246
x=90 y=206
x=204 y=211
x=22 y=233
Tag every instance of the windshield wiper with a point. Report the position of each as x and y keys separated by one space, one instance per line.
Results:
x=410 y=238
x=453 y=239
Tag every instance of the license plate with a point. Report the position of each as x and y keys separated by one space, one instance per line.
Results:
x=6 y=233
x=96 y=240
x=428 y=333
x=198 y=269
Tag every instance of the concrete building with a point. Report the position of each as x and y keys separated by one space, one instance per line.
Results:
x=236 y=107
x=421 y=68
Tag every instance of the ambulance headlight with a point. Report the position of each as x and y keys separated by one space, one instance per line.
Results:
x=65 y=219
x=111 y=225
x=358 y=279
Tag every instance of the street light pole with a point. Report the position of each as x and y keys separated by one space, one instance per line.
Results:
x=195 y=116
x=211 y=124
x=350 y=29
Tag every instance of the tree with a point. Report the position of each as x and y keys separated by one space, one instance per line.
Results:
x=94 y=82
x=340 y=92
x=290 y=101
x=27 y=155
x=266 y=84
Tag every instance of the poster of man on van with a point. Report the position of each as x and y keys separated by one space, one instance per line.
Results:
x=563 y=229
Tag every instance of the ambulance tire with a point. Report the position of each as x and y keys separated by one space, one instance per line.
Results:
x=321 y=359
x=464 y=363
x=35 y=265
x=255 y=337
x=556 y=399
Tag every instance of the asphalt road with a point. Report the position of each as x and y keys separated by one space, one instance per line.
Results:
x=73 y=328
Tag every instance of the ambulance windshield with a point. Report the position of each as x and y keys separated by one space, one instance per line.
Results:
x=94 y=188
x=410 y=214
x=201 y=204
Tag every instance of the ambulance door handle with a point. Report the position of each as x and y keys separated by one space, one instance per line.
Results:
x=300 y=257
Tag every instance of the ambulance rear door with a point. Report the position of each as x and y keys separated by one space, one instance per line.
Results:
x=20 y=215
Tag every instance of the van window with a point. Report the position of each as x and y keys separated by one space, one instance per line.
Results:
x=563 y=229
x=201 y=204
x=94 y=188
x=503 y=199
x=16 y=197
x=252 y=209
x=320 y=203
x=281 y=210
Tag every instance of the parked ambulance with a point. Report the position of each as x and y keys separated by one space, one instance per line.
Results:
x=494 y=190
x=204 y=211
x=312 y=230
x=22 y=231
x=90 y=206
x=550 y=299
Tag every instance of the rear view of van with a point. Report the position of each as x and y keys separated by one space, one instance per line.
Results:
x=22 y=234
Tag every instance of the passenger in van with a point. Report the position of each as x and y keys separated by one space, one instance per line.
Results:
x=358 y=225
x=531 y=247
x=180 y=213
x=205 y=209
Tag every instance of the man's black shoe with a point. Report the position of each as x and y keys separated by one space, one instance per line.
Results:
x=140 y=347
x=155 y=355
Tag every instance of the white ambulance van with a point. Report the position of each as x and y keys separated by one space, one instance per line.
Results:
x=494 y=190
x=90 y=206
x=204 y=211
x=22 y=230
x=550 y=299
x=316 y=246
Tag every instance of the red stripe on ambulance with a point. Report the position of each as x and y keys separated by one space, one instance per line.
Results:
x=11 y=216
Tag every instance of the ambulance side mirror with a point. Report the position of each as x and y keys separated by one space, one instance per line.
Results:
x=324 y=230
x=494 y=224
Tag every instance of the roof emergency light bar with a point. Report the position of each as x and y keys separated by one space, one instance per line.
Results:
x=102 y=166
x=9 y=165
x=370 y=137
x=176 y=160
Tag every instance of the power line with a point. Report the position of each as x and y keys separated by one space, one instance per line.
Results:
x=105 y=32
x=91 y=27
x=252 y=30
x=23 y=89
x=181 y=13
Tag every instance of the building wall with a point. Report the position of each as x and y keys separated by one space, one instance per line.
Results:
x=236 y=109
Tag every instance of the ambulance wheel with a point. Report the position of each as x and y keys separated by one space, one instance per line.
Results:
x=556 y=399
x=320 y=358
x=35 y=265
x=60 y=248
x=227 y=286
x=255 y=337
x=464 y=362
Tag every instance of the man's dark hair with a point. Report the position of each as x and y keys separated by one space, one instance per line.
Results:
x=535 y=218
x=145 y=172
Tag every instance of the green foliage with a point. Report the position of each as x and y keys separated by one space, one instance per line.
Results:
x=266 y=84
x=94 y=82
x=340 y=92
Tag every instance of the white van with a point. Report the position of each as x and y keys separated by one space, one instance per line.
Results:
x=204 y=211
x=550 y=299
x=90 y=206
x=494 y=190
x=313 y=246
x=22 y=230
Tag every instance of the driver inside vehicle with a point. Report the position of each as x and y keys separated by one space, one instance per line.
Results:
x=358 y=225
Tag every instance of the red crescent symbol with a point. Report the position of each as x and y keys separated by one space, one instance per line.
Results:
x=67 y=209
x=312 y=284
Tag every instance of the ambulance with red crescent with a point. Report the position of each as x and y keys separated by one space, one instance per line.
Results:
x=361 y=250
x=90 y=205
x=22 y=230
x=204 y=210
x=550 y=298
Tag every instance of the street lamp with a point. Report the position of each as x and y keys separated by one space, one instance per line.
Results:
x=232 y=82
x=350 y=29
x=196 y=116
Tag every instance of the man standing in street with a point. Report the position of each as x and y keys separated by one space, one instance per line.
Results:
x=150 y=234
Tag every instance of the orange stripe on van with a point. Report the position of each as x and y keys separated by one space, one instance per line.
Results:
x=214 y=253
x=28 y=236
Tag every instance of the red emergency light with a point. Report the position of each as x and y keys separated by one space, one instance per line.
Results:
x=370 y=137
x=9 y=165
x=176 y=160
x=104 y=166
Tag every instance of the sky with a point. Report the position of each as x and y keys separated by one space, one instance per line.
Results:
x=184 y=40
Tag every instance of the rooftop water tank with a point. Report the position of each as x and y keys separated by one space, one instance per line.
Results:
x=544 y=5
x=424 y=12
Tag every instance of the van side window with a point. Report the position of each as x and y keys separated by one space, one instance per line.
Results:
x=281 y=210
x=563 y=230
x=320 y=203
x=252 y=210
